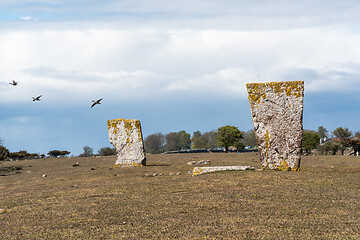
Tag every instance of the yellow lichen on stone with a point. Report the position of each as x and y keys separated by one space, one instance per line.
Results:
x=132 y=164
x=257 y=91
x=113 y=124
x=138 y=127
x=267 y=143
x=197 y=171
x=284 y=166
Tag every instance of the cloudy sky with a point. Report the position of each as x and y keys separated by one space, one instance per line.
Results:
x=175 y=65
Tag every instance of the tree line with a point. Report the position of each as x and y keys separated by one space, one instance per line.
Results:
x=224 y=137
x=334 y=142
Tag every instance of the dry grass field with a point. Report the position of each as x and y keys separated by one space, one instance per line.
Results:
x=319 y=202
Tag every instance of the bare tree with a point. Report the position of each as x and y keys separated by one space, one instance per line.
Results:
x=88 y=151
x=154 y=143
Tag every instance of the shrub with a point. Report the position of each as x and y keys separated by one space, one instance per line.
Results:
x=107 y=151
x=4 y=153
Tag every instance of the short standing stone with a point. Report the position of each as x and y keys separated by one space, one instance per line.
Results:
x=126 y=136
x=277 y=113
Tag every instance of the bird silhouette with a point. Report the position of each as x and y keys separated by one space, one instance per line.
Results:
x=36 y=98
x=13 y=83
x=96 y=102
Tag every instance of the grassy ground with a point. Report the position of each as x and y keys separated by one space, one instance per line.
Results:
x=319 y=202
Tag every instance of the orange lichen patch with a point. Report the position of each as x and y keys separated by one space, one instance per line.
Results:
x=257 y=91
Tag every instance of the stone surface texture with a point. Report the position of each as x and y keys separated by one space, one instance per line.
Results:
x=126 y=136
x=277 y=113
x=202 y=170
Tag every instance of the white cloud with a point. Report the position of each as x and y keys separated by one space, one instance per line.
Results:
x=128 y=64
x=25 y=18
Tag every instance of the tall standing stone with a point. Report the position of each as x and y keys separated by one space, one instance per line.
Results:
x=277 y=113
x=126 y=136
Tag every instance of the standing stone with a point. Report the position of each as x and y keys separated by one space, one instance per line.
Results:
x=126 y=136
x=277 y=113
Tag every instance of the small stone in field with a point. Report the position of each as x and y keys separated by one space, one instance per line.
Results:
x=44 y=175
x=2 y=210
x=179 y=173
x=92 y=169
x=161 y=174
x=171 y=174
x=76 y=164
x=155 y=174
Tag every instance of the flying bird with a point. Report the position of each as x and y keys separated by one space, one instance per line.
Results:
x=13 y=83
x=96 y=102
x=36 y=98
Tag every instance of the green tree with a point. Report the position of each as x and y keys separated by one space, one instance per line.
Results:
x=57 y=153
x=342 y=133
x=184 y=140
x=64 y=153
x=334 y=147
x=176 y=141
x=322 y=132
x=324 y=148
x=357 y=135
x=228 y=136
x=310 y=140
x=4 y=153
x=54 y=153
x=198 y=141
x=154 y=143
x=22 y=155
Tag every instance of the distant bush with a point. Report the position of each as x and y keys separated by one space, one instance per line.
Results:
x=22 y=155
x=56 y=153
x=88 y=151
x=107 y=151
x=4 y=153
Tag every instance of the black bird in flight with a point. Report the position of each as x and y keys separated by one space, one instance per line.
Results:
x=96 y=102
x=36 y=98
x=13 y=83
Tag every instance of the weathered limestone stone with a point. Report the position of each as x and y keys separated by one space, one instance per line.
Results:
x=277 y=113
x=202 y=170
x=126 y=136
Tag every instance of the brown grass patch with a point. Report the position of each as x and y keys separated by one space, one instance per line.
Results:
x=319 y=202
